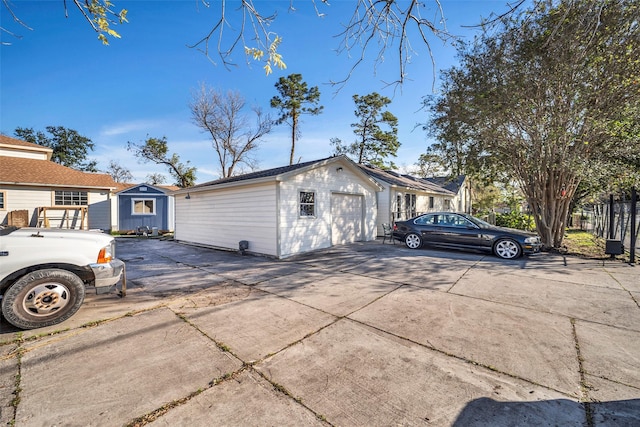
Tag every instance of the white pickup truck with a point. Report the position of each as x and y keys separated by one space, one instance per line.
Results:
x=44 y=272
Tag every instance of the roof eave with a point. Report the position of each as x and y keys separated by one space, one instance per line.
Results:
x=41 y=184
x=220 y=186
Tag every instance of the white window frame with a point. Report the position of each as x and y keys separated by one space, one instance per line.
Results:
x=143 y=200
x=81 y=197
x=301 y=213
x=410 y=202
x=3 y=200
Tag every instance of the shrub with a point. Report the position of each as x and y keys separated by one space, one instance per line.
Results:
x=516 y=220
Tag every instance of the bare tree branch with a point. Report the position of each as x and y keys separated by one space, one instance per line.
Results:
x=387 y=23
x=233 y=139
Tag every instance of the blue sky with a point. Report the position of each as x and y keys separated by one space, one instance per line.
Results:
x=59 y=74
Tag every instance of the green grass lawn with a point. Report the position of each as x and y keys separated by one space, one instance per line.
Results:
x=584 y=244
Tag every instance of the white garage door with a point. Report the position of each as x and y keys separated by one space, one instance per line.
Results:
x=346 y=218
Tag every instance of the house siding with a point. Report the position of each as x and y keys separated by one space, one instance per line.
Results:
x=99 y=210
x=387 y=204
x=25 y=198
x=23 y=153
x=302 y=234
x=385 y=207
x=223 y=217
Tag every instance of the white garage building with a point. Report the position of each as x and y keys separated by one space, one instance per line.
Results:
x=283 y=211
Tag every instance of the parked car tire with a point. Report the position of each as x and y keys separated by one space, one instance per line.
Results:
x=43 y=298
x=507 y=249
x=413 y=241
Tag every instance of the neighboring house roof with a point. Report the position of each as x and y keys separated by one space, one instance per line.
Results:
x=451 y=183
x=22 y=171
x=121 y=186
x=277 y=173
x=404 y=181
x=169 y=187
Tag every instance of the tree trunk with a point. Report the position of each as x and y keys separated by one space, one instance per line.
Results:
x=294 y=128
x=550 y=198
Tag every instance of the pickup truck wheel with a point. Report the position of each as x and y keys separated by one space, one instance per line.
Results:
x=43 y=298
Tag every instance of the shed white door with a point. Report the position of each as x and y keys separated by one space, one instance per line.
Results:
x=346 y=218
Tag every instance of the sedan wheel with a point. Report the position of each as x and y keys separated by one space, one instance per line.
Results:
x=413 y=241
x=507 y=249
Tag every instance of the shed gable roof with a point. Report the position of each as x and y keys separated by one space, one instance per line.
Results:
x=154 y=189
x=22 y=171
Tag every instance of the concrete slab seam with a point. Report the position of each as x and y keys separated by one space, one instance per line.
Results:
x=246 y=365
x=220 y=345
x=164 y=409
x=17 y=384
x=623 y=287
x=282 y=389
x=556 y=313
x=584 y=386
x=464 y=274
x=460 y=358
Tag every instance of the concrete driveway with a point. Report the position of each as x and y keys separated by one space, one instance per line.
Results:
x=359 y=335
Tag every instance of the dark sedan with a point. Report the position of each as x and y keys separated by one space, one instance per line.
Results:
x=457 y=230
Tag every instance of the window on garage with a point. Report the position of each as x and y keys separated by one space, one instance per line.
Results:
x=307 y=203
x=431 y=202
x=71 y=198
x=3 y=200
x=143 y=206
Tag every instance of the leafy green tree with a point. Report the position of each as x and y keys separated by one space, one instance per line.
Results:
x=373 y=144
x=295 y=99
x=155 y=150
x=428 y=165
x=543 y=97
x=69 y=147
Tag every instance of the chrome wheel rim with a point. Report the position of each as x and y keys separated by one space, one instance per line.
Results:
x=412 y=241
x=507 y=249
x=45 y=299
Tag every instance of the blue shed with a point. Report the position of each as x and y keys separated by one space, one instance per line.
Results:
x=146 y=205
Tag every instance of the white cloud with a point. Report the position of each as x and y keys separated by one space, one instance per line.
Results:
x=131 y=126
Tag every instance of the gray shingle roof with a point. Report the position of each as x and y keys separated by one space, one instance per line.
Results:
x=260 y=174
x=406 y=181
x=451 y=183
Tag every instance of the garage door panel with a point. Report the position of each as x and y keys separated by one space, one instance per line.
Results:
x=346 y=218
